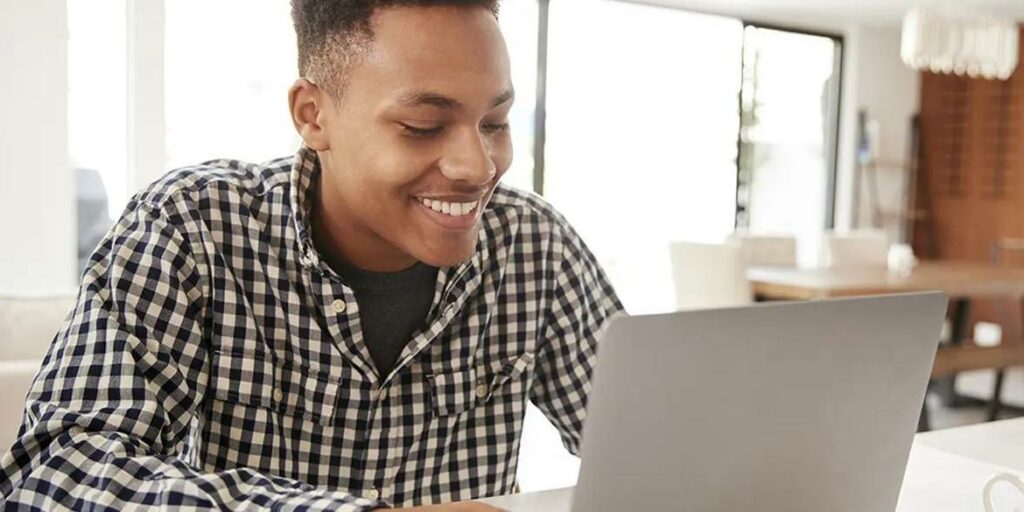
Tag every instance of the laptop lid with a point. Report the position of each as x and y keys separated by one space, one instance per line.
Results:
x=775 y=407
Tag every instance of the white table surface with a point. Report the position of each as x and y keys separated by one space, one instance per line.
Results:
x=946 y=471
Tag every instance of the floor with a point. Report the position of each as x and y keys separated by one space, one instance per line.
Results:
x=979 y=385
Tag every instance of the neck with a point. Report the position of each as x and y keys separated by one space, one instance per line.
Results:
x=343 y=241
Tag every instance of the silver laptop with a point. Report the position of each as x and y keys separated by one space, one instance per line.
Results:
x=778 y=407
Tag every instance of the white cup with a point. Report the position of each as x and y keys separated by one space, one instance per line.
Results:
x=1004 y=478
x=901 y=259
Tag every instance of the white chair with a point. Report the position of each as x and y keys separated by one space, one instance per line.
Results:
x=709 y=275
x=27 y=327
x=858 y=248
x=767 y=250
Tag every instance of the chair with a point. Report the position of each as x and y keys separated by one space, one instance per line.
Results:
x=28 y=324
x=858 y=248
x=27 y=327
x=709 y=275
x=767 y=250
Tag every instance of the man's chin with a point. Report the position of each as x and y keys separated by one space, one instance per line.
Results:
x=451 y=255
x=447 y=260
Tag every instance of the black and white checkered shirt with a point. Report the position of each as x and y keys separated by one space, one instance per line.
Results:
x=213 y=360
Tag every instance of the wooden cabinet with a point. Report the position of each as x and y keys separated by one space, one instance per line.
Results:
x=971 y=180
x=971 y=177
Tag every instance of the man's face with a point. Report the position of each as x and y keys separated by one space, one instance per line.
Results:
x=421 y=126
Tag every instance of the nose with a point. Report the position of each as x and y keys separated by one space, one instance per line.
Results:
x=468 y=159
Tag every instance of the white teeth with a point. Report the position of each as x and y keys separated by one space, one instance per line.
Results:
x=453 y=209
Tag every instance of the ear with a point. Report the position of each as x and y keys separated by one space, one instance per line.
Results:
x=306 y=102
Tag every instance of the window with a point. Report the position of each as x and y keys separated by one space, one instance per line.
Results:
x=641 y=135
x=519 y=21
x=97 y=118
x=97 y=88
x=228 y=68
x=667 y=125
x=787 y=142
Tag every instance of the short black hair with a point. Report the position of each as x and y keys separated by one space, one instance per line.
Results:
x=332 y=34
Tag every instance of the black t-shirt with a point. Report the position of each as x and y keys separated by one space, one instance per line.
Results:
x=392 y=307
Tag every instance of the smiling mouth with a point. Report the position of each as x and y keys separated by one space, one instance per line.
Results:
x=452 y=209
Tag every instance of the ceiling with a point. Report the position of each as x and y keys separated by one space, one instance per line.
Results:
x=833 y=14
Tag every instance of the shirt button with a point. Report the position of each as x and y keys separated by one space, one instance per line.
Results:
x=372 y=494
x=278 y=395
x=338 y=305
x=382 y=395
x=481 y=391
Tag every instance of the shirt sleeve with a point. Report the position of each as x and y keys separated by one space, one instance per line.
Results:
x=108 y=419
x=582 y=301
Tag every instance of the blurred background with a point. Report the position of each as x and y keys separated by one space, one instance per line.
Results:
x=693 y=143
x=121 y=92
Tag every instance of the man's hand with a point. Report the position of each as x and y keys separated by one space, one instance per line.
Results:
x=465 y=506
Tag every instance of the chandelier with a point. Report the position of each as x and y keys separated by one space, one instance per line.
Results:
x=960 y=41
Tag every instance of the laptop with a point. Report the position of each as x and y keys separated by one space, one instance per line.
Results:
x=774 y=407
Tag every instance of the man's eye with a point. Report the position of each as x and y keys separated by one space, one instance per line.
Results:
x=495 y=127
x=419 y=131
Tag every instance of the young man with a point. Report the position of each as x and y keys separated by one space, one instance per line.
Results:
x=353 y=328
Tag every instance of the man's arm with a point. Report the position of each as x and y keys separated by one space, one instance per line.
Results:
x=581 y=303
x=109 y=414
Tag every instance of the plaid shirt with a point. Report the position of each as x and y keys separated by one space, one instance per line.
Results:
x=213 y=360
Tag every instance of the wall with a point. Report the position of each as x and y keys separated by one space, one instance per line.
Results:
x=37 y=238
x=877 y=81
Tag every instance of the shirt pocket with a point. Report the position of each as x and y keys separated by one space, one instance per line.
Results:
x=459 y=391
x=257 y=380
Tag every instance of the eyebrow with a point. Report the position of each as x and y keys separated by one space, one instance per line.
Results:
x=433 y=99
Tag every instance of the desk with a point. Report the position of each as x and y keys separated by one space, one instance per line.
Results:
x=946 y=471
x=957 y=279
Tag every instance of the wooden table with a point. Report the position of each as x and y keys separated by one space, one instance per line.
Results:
x=946 y=472
x=957 y=279
x=962 y=281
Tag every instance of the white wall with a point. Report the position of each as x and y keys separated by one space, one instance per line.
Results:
x=37 y=208
x=878 y=81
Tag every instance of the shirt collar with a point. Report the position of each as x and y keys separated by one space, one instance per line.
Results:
x=304 y=175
